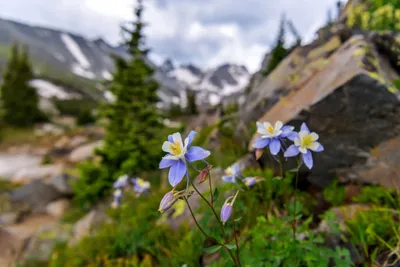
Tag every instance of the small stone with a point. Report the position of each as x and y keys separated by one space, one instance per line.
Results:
x=8 y=218
x=58 y=208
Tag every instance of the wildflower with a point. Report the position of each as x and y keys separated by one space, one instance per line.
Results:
x=305 y=142
x=251 y=181
x=231 y=174
x=271 y=136
x=140 y=185
x=167 y=201
x=178 y=154
x=117 y=199
x=121 y=182
x=203 y=174
x=226 y=210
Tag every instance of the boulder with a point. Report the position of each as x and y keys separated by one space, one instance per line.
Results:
x=341 y=87
x=11 y=247
x=58 y=208
x=35 y=196
x=28 y=174
x=86 y=225
x=40 y=245
x=10 y=217
x=77 y=141
x=83 y=152
x=62 y=184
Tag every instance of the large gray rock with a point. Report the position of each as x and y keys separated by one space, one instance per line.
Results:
x=341 y=87
x=35 y=196
x=83 y=152
x=62 y=184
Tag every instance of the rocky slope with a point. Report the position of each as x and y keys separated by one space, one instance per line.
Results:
x=71 y=66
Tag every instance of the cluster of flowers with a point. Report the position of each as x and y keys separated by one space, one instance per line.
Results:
x=179 y=154
x=138 y=185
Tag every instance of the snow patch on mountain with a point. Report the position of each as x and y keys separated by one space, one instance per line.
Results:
x=78 y=70
x=74 y=49
x=106 y=75
x=186 y=76
x=48 y=90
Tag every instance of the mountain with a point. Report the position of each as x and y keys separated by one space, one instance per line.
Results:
x=78 y=66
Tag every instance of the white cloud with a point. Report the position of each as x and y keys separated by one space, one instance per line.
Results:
x=206 y=32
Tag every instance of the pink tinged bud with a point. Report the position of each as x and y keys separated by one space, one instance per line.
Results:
x=204 y=174
x=259 y=153
x=226 y=212
x=167 y=201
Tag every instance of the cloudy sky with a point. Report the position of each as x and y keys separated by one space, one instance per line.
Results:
x=203 y=32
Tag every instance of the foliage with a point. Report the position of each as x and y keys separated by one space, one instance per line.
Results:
x=191 y=102
x=137 y=237
x=132 y=141
x=334 y=194
x=19 y=99
x=375 y=15
x=279 y=52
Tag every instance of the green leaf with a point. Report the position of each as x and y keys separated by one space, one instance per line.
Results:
x=212 y=249
x=294 y=170
x=215 y=195
x=231 y=246
x=277 y=178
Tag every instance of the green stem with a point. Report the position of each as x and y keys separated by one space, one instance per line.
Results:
x=211 y=191
x=280 y=165
x=294 y=208
x=211 y=206
x=237 y=244
x=206 y=235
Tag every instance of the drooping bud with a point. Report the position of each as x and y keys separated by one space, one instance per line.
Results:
x=226 y=210
x=204 y=174
x=167 y=201
x=259 y=153
x=250 y=181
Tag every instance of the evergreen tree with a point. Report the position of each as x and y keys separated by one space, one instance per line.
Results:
x=19 y=99
x=132 y=143
x=191 y=102
x=279 y=52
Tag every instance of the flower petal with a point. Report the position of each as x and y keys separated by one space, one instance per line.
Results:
x=303 y=150
x=165 y=163
x=308 y=160
x=166 y=147
x=292 y=136
x=292 y=151
x=176 y=172
x=314 y=136
x=278 y=126
x=297 y=141
x=170 y=139
x=261 y=142
x=197 y=153
x=286 y=130
x=274 y=146
x=168 y=156
x=177 y=138
x=189 y=138
x=228 y=179
x=236 y=169
x=318 y=147
x=304 y=128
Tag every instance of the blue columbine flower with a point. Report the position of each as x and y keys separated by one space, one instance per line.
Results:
x=272 y=136
x=226 y=210
x=121 y=182
x=305 y=142
x=178 y=154
x=116 y=203
x=140 y=186
x=231 y=174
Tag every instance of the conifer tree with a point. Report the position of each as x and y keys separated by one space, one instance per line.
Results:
x=19 y=100
x=131 y=144
x=191 y=102
x=279 y=52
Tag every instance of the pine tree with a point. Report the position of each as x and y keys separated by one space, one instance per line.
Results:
x=132 y=143
x=279 y=52
x=191 y=102
x=19 y=99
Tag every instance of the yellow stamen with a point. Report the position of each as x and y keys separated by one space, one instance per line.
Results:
x=176 y=148
x=270 y=129
x=307 y=140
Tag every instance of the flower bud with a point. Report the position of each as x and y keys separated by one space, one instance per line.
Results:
x=167 y=201
x=204 y=174
x=259 y=153
x=226 y=210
